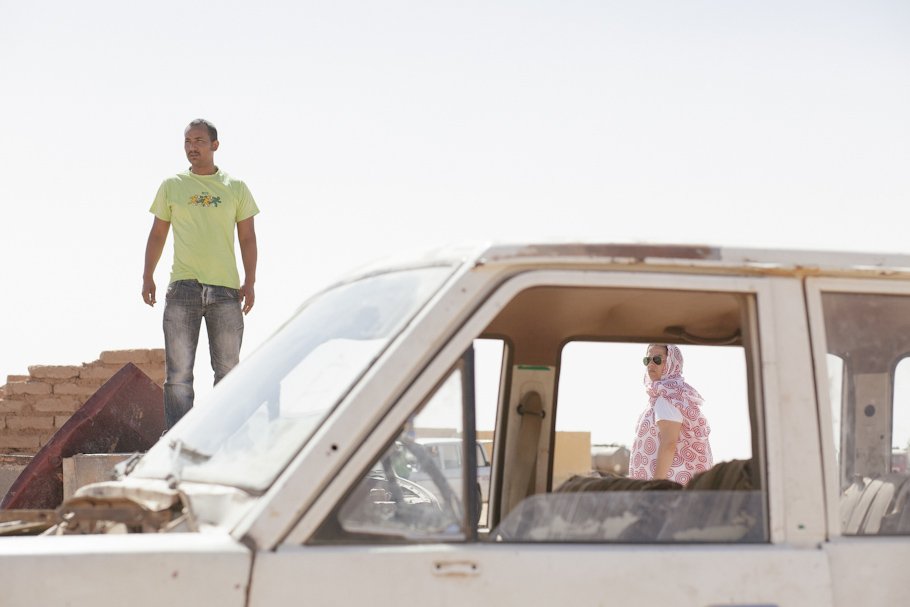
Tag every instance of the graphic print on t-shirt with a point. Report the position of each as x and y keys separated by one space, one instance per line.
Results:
x=205 y=200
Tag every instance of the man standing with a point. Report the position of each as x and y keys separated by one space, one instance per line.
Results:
x=203 y=204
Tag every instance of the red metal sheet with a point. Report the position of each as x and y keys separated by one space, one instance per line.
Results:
x=125 y=415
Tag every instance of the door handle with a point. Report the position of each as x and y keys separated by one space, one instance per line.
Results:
x=455 y=568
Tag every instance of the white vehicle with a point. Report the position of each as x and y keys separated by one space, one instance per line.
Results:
x=281 y=488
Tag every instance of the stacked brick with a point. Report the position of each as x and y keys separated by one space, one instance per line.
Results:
x=34 y=406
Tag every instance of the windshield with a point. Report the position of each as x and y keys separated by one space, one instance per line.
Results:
x=263 y=412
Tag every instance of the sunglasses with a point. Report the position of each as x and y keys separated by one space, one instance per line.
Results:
x=655 y=359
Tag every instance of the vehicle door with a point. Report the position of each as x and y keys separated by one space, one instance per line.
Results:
x=861 y=345
x=376 y=537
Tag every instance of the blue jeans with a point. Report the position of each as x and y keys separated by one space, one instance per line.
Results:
x=186 y=304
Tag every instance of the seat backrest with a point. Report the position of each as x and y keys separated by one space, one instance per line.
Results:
x=732 y=475
x=613 y=482
x=872 y=506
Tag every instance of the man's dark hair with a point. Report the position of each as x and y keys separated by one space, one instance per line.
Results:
x=213 y=132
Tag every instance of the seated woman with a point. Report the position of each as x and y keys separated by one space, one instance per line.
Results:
x=671 y=439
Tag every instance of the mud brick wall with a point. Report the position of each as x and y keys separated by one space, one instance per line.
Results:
x=34 y=406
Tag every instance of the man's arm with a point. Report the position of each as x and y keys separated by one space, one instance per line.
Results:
x=246 y=235
x=666 y=449
x=153 y=249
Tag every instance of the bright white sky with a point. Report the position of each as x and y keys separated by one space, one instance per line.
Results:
x=366 y=129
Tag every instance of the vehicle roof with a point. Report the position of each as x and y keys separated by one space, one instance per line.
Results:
x=651 y=257
x=775 y=261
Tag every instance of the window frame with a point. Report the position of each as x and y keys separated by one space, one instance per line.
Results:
x=815 y=287
x=761 y=384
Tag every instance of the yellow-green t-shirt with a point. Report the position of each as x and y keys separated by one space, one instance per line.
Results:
x=203 y=211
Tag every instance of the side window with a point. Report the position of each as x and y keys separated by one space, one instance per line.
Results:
x=868 y=338
x=406 y=494
x=603 y=425
x=416 y=490
x=599 y=435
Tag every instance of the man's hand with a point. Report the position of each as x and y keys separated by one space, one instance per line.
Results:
x=246 y=235
x=148 y=291
x=153 y=248
x=248 y=297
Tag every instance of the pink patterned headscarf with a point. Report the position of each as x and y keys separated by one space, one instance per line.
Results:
x=693 y=451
